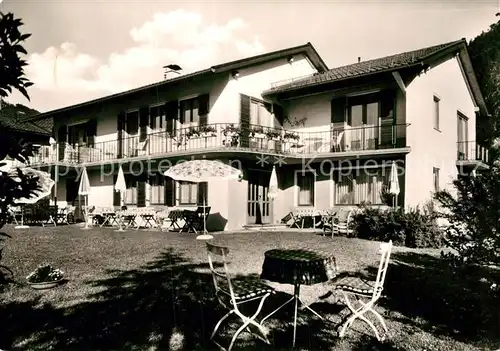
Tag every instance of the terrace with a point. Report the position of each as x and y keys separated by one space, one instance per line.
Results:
x=225 y=137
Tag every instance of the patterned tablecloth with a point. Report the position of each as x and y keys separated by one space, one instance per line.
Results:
x=298 y=266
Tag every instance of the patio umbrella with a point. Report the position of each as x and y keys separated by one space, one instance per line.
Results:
x=198 y=171
x=45 y=184
x=120 y=186
x=84 y=190
x=273 y=191
x=394 y=183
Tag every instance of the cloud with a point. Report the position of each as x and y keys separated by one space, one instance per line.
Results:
x=64 y=75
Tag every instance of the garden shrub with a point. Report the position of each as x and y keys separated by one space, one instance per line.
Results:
x=415 y=227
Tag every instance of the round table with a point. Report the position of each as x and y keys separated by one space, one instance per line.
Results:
x=303 y=266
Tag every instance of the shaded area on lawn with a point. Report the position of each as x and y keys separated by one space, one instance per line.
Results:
x=452 y=303
x=167 y=304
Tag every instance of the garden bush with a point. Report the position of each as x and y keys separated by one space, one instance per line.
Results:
x=415 y=227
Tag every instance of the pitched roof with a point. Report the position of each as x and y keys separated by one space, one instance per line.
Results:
x=12 y=117
x=307 y=49
x=387 y=63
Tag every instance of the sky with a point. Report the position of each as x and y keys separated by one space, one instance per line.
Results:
x=84 y=49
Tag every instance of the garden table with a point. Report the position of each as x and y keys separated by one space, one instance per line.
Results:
x=110 y=217
x=298 y=267
x=175 y=216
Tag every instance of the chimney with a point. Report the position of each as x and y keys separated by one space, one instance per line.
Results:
x=359 y=59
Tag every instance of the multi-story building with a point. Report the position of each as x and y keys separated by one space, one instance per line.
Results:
x=331 y=133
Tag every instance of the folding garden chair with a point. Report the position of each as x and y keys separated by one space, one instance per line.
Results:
x=231 y=294
x=359 y=288
x=291 y=216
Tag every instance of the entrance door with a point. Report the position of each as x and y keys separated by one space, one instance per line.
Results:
x=258 y=204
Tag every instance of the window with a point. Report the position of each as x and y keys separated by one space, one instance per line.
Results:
x=77 y=134
x=436 y=112
x=462 y=133
x=157 y=187
x=189 y=112
x=132 y=123
x=188 y=193
x=131 y=192
x=366 y=185
x=305 y=182
x=435 y=172
x=260 y=113
x=157 y=118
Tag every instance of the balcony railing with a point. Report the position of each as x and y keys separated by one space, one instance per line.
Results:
x=224 y=136
x=471 y=151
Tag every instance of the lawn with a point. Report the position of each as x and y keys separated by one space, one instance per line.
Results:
x=148 y=290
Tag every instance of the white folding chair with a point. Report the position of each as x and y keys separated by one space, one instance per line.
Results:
x=368 y=290
x=231 y=294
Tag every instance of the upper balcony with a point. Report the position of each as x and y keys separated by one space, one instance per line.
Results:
x=232 y=138
x=471 y=155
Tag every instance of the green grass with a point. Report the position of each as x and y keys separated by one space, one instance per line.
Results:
x=148 y=290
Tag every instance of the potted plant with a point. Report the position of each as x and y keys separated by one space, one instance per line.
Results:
x=291 y=137
x=273 y=135
x=257 y=132
x=45 y=277
x=192 y=132
x=207 y=131
x=232 y=134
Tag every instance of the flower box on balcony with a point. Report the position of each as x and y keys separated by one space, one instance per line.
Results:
x=258 y=135
x=207 y=131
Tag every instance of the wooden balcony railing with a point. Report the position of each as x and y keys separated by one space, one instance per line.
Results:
x=226 y=136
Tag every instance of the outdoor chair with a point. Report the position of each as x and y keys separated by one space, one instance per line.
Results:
x=291 y=220
x=203 y=216
x=370 y=291
x=191 y=221
x=231 y=294
x=142 y=147
x=337 y=141
x=49 y=214
x=340 y=224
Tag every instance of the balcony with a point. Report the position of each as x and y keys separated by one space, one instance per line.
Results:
x=230 y=138
x=472 y=155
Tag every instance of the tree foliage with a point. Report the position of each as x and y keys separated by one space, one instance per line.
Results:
x=484 y=52
x=17 y=185
x=473 y=213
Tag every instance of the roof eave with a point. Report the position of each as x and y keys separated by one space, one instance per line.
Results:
x=308 y=49
x=471 y=79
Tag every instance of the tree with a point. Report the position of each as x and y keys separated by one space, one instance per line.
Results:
x=11 y=64
x=473 y=213
x=13 y=185
x=484 y=52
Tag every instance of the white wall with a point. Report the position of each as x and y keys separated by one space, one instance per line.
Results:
x=429 y=147
x=252 y=81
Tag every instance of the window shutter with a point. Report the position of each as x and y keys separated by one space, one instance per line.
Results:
x=202 y=193
x=171 y=113
x=182 y=112
x=338 y=106
x=278 y=113
x=244 y=120
x=62 y=134
x=169 y=192
x=62 y=137
x=143 y=123
x=141 y=192
x=116 y=194
x=387 y=118
x=91 y=132
x=120 y=124
x=203 y=108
